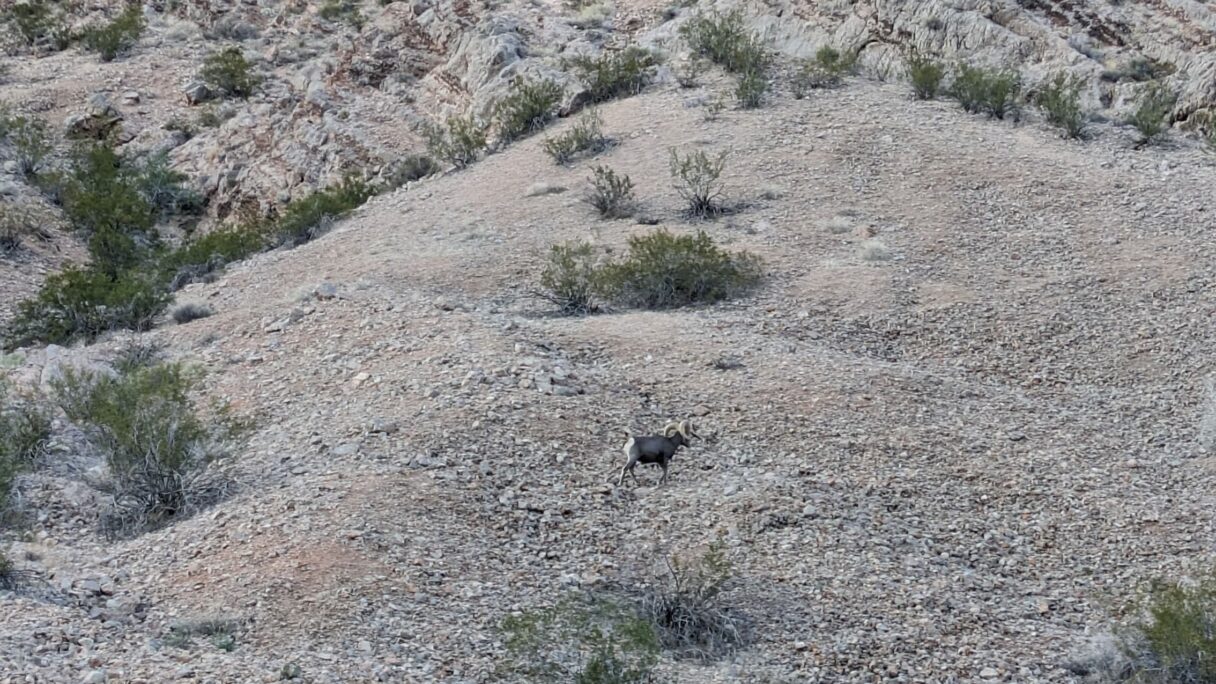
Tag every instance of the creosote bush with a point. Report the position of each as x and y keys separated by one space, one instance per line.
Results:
x=199 y=259
x=342 y=10
x=569 y=278
x=697 y=177
x=410 y=168
x=25 y=428
x=308 y=218
x=826 y=70
x=1175 y=641
x=1153 y=107
x=31 y=143
x=118 y=36
x=1060 y=100
x=614 y=74
x=459 y=142
x=723 y=39
x=158 y=447
x=584 y=639
x=38 y=23
x=229 y=73
x=611 y=194
x=926 y=75
x=688 y=610
x=527 y=109
x=662 y=271
x=994 y=93
x=187 y=313
x=16 y=223
x=585 y=138
x=751 y=89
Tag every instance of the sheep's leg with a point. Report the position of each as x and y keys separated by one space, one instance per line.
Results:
x=628 y=467
x=664 y=480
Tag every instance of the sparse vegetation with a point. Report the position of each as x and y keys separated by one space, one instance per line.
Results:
x=308 y=218
x=585 y=137
x=688 y=72
x=31 y=144
x=926 y=75
x=611 y=194
x=221 y=632
x=190 y=312
x=228 y=72
x=411 y=168
x=1175 y=640
x=662 y=270
x=1139 y=70
x=16 y=223
x=981 y=90
x=1153 y=107
x=826 y=70
x=527 y=109
x=38 y=23
x=1060 y=100
x=569 y=278
x=688 y=611
x=342 y=10
x=614 y=74
x=751 y=89
x=159 y=450
x=698 y=180
x=723 y=38
x=460 y=142
x=584 y=639
x=24 y=430
x=118 y=36
x=198 y=259
x=164 y=189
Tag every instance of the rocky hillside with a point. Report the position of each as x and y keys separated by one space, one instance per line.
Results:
x=958 y=424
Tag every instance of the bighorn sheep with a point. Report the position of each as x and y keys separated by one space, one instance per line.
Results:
x=654 y=449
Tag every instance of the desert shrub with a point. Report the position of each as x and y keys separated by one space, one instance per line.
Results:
x=610 y=194
x=1175 y=641
x=980 y=90
x=212 y=116
x=24 y=430
x=190 y=312
x=229 y=73
x=118 y=36
x=157 y=446
x=569 y=278
x=11 y=579
x=17 y=222
x=751 y=89
x=459 y=142
x=614 y=74
x=82 y=303
x=826 y=70
x=583 y=639
x=31 y=144
x=342 y=10
x=221 y=632
x=697 y=178
x=36 y=22
x=411 y=168
x=164 y=189
x=585 y=137
x=1140 y=70
x=926 y=75
x=179 y=124
x=725 y=41
x=1060 y=100
x=662 y=270
x=688 y=72
x=688 y=612
x=102 y=191
x=1154 y=105
x=529 y=106
x=197 y=259
x=308 y=218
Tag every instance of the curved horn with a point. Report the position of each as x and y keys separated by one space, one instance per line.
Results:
x=672 y=428
x=686 y=429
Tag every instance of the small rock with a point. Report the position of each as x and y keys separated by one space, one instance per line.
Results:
x=197 y=93
x=94 y=677
x=989 y=673
x=325 y=291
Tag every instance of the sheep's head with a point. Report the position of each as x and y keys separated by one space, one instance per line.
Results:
x=683 y=427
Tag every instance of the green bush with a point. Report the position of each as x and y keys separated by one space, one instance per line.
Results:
x=31 y=144
x=663 y=271
x=229 y=73
x=1060 y=100
x=725 y=41
x=411 y=168
x=926 y=76
x=16 y=223
x=697 y=177
x=1154 y=105
x=158 y=448
x=611 y=195
x=82 y=303
x=187 y=313
x=583 y=639
x=36 y=22
x=308 y=218
x=103 y=191
x=826 y=70
x=342 y=10
x=1176 y=640
x=164 y=189
x=197 y=259
x=527 y=109
x=992 y=92
x=688 y=611
x=460 y=142
x=118 y=36
x=751 y=89
x=569 y=278
x=24 y=430
x=585 y=137
x=615 y=74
